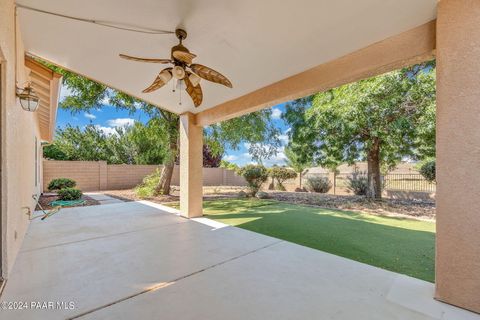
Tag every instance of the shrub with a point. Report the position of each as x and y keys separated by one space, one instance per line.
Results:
x=255 y=175
x=262 y=195
x=358 y=183
x=281 y=174
x=61 y=183
x=318 y=184
x=147 y=188
x=242 y=194
x=427 y=170
x=69 y=194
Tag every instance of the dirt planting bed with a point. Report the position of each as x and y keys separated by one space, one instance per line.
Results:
x=46 y=199
x=424 y=209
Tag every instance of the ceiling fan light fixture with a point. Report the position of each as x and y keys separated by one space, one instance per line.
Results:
x=184 y=74
x=165 y=75
x=178 y=72
x=194 y=79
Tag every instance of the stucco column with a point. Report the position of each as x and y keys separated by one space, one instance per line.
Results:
x=191 y=166
x=458 y=153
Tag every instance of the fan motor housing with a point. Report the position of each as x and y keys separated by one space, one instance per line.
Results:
x=181 y=34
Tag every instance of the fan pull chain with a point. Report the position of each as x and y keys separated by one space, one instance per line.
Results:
x=180 y=103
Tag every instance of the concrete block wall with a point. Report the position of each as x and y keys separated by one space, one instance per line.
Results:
x=85 y=173
x=123 y=176
x=98 y=175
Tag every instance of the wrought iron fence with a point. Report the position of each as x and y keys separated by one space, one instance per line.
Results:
x=408 y=182
x=391 y=181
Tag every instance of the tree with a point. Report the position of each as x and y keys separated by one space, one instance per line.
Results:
x=255 y=128
x=89 y=144
x=132 y=145
x=295 y=162
x=374 y=119
x=150 y=142
x=210 y=160
x=281 y=174
x=255 y=175
x=427 y=170
x=229 y=165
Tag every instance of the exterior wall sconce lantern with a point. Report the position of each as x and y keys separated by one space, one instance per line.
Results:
x=28 y=98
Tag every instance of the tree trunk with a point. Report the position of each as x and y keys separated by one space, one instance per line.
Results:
x=374 y=176
x=163 y=186
x=300 y=182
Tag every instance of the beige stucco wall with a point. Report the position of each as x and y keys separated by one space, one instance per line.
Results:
x=458 y=153
x=19 y=129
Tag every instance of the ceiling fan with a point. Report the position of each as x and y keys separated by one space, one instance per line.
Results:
x=183 y=71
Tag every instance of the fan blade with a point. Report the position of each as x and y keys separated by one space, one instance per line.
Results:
x=194 y=92
x=183 y=56
x=124 y=56
x=163 y=77
x=210 y=74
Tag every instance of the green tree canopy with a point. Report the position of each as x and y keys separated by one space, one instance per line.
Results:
x=296 y=162
x=381 y=120
x=124 y=146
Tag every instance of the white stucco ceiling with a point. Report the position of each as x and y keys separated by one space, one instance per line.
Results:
x=253 y=42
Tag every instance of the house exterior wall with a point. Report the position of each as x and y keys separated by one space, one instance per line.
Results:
x=457 y=265
x=20 y=130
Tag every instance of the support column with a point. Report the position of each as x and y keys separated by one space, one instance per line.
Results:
x=458 y=153
x=191 y=166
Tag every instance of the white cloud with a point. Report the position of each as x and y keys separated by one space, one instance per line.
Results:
x=105 y=101
x=288 y=130
x=64 y=92
x=283 y=138
x=278 y=159
x=89 y=116
x=107 y=130
x=121 y=122
x=230 y=158
x=276 y=113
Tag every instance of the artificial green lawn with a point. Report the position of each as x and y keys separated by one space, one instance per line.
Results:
x=401 y=245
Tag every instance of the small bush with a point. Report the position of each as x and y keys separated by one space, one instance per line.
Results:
x=242 y=194
x=427 y=170
x=147 y=188
x=61 y=183
x=281 y=174
x=69 y=194
x=262 y=195
x=358 y=183
x=255 y=175
x=318 y=184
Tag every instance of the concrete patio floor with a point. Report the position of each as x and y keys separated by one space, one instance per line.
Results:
x=138 y=260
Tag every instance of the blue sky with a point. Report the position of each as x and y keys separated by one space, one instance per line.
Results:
x=108 y=117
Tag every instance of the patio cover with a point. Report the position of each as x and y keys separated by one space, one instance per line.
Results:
x=254 y=43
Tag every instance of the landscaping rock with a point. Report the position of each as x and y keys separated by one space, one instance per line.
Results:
x=262 y=195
